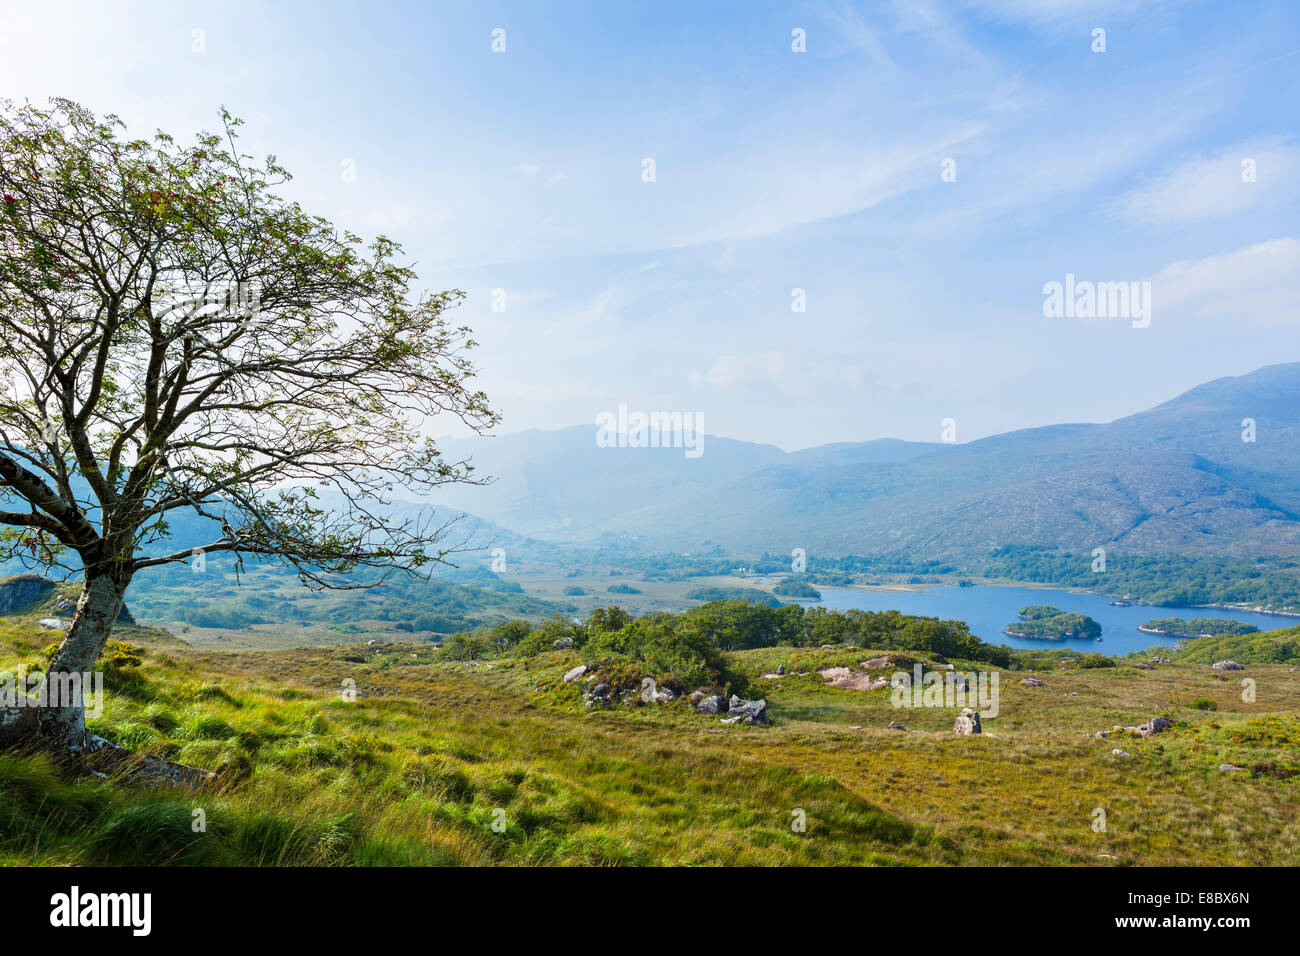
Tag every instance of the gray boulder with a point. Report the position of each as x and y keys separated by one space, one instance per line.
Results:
x=1153 y=726
x=746 y=711
x=1228 y=666
x=563 y=644
x=712 y=705
x=575 y=673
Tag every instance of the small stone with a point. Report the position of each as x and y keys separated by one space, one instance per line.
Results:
x=1120 y=753
x=1230 y=768
x=895 y=725
x=1228 y=665
x=575 y=673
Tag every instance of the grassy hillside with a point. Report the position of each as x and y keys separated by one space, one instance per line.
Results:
x=432 y=752
x=1269 y=647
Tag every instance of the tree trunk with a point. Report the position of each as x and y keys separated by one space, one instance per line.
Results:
x=56 y=723
x=62 y=716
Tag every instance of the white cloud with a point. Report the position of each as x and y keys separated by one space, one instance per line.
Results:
x=1211 y=187
x=1257 y=285
x=732 y=371
x=780 y=372
x=861 y=37
x=1056 y=13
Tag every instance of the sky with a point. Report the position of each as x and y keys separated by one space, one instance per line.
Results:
x=914 y=177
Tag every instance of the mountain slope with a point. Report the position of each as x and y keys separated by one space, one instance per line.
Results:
x=1178 y=477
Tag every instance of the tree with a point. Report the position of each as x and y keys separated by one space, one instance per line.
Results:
x=177 y=339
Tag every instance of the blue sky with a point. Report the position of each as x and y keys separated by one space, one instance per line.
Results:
x=774 y=170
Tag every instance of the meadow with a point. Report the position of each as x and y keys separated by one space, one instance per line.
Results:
x=485 y=762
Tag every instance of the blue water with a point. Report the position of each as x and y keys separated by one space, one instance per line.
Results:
x=988 y=610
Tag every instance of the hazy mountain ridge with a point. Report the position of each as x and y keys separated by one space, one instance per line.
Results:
x=1177 y=477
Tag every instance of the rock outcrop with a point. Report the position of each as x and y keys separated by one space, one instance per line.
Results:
x=712 y=705
x=849 y=679
x=1152 y=727
x=968 y=722
x=20 y=590
x=746 y=711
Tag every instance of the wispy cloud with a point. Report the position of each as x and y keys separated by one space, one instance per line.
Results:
x=1058 y=13
x=1230 y=182
x=1257 y=285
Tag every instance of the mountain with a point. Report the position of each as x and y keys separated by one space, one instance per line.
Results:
x=562 y=485
x=1175 y=478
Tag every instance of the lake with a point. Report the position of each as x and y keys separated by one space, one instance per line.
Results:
x=987 y=610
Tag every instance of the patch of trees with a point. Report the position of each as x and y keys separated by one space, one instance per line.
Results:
x=1044 y=622
x=1198 y=627
x=698 y=635
x=1267 y=647
x=801 y=590
x=732 y=594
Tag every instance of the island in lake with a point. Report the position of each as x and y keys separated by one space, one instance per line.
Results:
x=800 y=590
x=1046 y=623
x=1197 y=627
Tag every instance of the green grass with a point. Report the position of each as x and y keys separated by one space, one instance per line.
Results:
x=447 y=763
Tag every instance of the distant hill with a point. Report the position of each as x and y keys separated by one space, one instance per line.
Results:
x=1175 y=478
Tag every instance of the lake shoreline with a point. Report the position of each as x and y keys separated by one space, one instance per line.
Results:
x=987 y=609
x=1005 y=583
